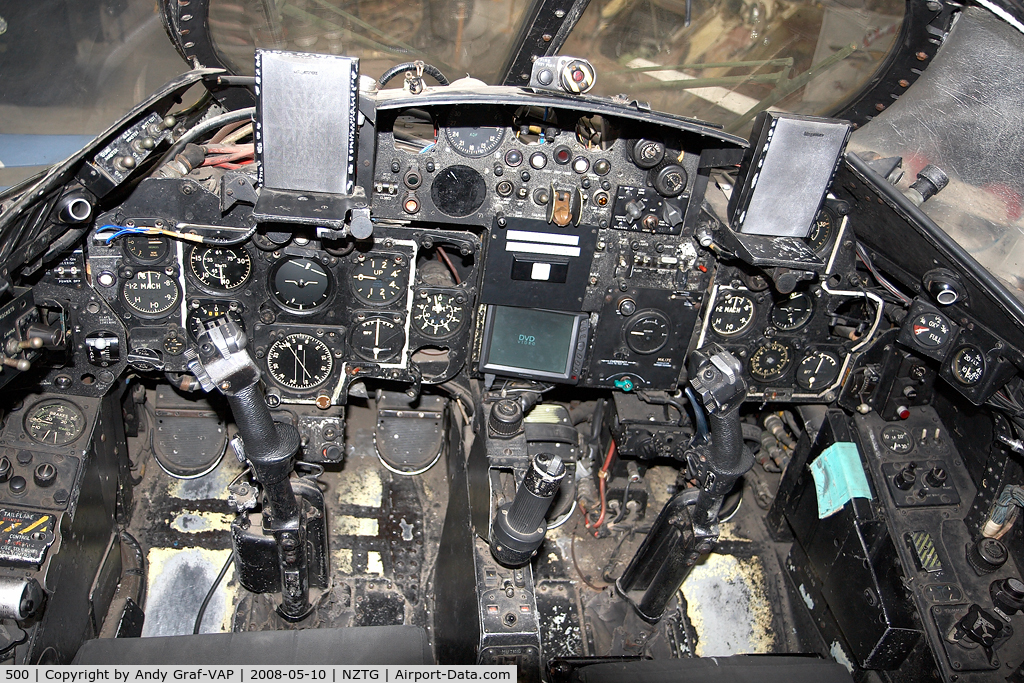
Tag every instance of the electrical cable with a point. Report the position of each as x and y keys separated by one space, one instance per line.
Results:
x=209 y=594
x=862 y=254
x=626 y=499
x=879 y=308
x=443 y=255
x=204 y=127
x=428 y=69
x=602 y=477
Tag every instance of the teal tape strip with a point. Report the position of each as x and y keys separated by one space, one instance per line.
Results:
x=838 y=478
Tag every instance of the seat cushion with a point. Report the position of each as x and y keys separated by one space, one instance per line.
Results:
x=357 y=645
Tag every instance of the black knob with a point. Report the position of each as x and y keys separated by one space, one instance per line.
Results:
x=930 y=181
x=647 y=153
x=987 y=555
x=45 y=474
x=24 y=457
x=906 y=478
x=5 y=468
x=936 y=478
x=506 y=418
x=1008 y=595
x=17 y=485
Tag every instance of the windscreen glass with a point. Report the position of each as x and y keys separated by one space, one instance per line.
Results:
x=725 y=61
x=456 y=36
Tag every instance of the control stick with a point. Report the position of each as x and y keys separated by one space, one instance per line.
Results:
x=222 y=362
x=687 y=526
x=519 y=527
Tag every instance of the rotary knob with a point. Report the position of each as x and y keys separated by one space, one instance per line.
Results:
x=506 y=418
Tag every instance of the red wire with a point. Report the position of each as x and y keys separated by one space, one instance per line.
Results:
x=602 y=476
x=444 y=256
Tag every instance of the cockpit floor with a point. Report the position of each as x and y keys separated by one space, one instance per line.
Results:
x=384 y=532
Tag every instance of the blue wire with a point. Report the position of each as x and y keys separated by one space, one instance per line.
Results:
x=120 y=231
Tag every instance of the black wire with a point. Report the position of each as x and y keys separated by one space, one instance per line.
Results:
x=625 y=499
x=428 y=69
x=209 y=594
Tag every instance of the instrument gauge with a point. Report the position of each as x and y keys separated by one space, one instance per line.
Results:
x=473 y=141
x=897 y=440
x=647 y=333
x=733 y=314
x=823 y=230
x=299 y=361
x=378 y=339
x=54 y=422
x=151 y=293
x=300 y=284
x=770 y=361
x=220 y=268
x=380 y=279
x=817 y=370
x=931 y=330
x=439 y=315
x=206 y=311
x=145 y=249
x=793 y=313
x=968 y=365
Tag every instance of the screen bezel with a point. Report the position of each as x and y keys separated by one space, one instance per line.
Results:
x=566 y=375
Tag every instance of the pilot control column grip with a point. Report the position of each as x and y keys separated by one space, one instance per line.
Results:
x=222 y=362
x=687 y=526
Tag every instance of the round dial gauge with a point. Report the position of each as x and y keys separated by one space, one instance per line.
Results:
x=817 y=370
x=824 y=228
x=897 y=439
x=207 y=311
x=647 y=332
x=469 y=140
x=55 y=422
x=733 y=314
x=300 y=284
x=220 y=267
x=968 y=365
x=299 y=361
x=378 y=339
x=379 y=279
x=438 y=315
x=145 y=248
x=151 y=293
x=931 y=330
x=770 y=361
x=793 y=313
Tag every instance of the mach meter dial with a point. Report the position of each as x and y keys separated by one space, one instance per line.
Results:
x=439 y=315
x=378 y=339
x=733 y=314
x=220 y=268
x=380 y=279
x=151 y=293
x=55 y=422
x=299 y=361
x=770 y=361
